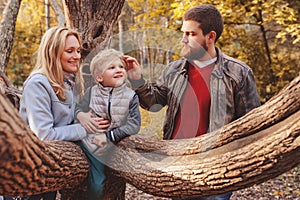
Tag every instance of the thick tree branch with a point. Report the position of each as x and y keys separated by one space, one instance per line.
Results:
x=29 y=165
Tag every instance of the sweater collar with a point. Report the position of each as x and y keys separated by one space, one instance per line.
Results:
x=69 y=79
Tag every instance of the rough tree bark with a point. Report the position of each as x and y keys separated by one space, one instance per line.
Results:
x=94 y=19
x=252 y=152
x=261 y=145
x=7 y=30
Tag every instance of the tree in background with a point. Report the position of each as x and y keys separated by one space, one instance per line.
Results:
x=148 y=37
x=30 y=27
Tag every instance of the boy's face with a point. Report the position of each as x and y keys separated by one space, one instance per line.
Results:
x=114 y=75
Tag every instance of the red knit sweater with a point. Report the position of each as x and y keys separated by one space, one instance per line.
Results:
x=193 y=116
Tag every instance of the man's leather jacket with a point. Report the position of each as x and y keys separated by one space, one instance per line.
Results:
x=232 y=88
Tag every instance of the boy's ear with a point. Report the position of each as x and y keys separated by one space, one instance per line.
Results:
x=99 y=78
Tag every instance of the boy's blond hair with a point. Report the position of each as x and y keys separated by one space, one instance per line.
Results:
x=103 y=60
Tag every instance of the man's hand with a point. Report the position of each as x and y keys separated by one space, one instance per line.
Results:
x=133 y=68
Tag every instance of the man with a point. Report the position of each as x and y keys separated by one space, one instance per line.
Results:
x=205 y=89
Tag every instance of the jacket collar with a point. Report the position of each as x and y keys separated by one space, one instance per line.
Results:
x=110 y=90
x=218 y=70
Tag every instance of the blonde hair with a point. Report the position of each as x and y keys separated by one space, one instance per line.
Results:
x=103 y=59
x=48 y=58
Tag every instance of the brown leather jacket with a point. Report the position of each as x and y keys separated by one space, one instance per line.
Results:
x=232 y=88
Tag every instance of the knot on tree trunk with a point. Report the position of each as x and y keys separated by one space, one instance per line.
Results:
x=12 y=93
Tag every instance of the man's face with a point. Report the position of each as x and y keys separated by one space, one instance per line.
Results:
x=193 y=41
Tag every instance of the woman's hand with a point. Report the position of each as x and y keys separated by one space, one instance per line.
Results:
x=91 y=123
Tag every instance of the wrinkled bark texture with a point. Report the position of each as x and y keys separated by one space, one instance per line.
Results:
x=7 y=30
x=94 y=19
x=29 y=165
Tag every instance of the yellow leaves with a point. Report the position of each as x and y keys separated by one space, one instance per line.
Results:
x=152 y=123
x=30 y=26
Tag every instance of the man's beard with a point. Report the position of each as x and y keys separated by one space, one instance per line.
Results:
x=194 y=53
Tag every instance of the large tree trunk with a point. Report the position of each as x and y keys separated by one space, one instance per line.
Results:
x=255 y=148
x=29 y=165
x=94 y=19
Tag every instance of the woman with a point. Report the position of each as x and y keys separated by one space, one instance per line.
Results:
x=47 y=103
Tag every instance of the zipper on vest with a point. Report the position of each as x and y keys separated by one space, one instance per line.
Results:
x=109 y=103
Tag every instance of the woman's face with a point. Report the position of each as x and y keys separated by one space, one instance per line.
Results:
x=70 y=57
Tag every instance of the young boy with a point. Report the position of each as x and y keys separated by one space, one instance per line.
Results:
x=110 y=99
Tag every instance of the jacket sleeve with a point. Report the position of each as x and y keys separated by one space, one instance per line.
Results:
x=247 y=97
x=152 y=96
x=37 y=99
x=132 y=125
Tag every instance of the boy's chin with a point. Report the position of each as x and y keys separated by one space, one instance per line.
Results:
x=119 y=83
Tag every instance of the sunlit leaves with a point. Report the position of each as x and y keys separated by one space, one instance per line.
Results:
x=150 y=13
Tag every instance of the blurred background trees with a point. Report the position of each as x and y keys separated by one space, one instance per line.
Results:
x=265 y=34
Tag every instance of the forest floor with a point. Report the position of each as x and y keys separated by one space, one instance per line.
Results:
x=283 y=187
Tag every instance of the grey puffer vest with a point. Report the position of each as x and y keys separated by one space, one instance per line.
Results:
x=109 y=103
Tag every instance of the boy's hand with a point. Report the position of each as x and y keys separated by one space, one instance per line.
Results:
x=91 y=123
x=100 y=140
x=103 y=125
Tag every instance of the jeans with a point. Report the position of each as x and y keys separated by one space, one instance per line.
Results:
x=216 y=197
x=96 y=179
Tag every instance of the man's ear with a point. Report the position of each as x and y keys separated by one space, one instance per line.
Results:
x=212 y=36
